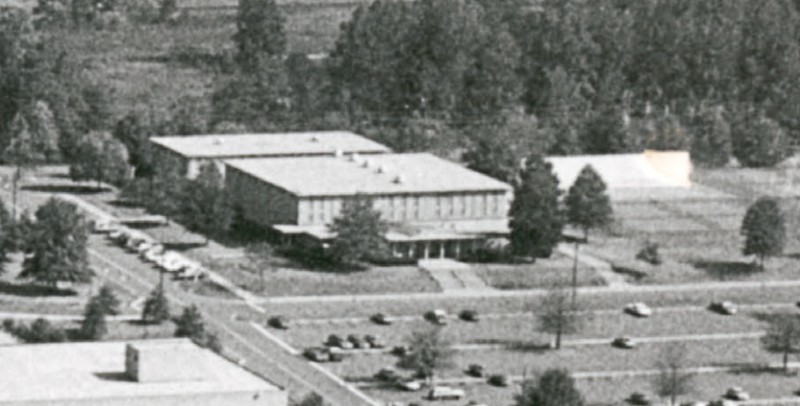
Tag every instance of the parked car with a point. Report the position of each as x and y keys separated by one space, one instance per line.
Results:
x=623 y=342
x=387 y=374
x=317 y=354
x=437 y=316
x=736 y=393
x=638 y=309
x=724 y=307
x=638 y=398
x=103 y=227
x=339 y=342
x=498 y=380
x=119 y=237
x=469 y=315
x=695 y=403
x=154 y=254
x=410 y=386
x=475 y=370
x=381 y=319
x=445 y=393
x=722 y=402
x=475 y=403
x=400 y=350
x=374 y=341
x=279 y=322
x=357 y=342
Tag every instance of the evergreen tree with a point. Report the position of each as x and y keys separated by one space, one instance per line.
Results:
x=711 y=142
x=204 y=206
x=190 y=324
x=94 y=325
x=8 y=238
x=100 y=158
x=764 y=229
x=258 y=99
x=107 y=301
x=156 y=307
x=607 y=132
x=22 y=153
x=759 y=141
x=57 y=243
x=555 y=387
x=536 y=219
x=260 y=33
x=359 y=232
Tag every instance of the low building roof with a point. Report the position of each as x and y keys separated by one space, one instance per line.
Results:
x=264 y=145
x=383 y=174
x=96 y=370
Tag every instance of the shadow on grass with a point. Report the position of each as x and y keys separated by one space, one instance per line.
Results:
x=113 y=376
x=71 y=189
x=32 y=290
x=632 y=275
x=744 y=368
x=516 y=345
x=727 y=270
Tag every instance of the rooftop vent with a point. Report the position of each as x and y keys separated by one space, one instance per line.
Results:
x=381 y=169
x=399 y=180
x=217 y=141
x=314 y=138
x=338 y=153
x=164 y=361
x=366 y=164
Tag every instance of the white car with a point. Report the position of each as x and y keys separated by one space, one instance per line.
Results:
x=724 y=307
x=103 y=227
x=411 y=386
x=638 y=309
x=152 y=255
x=737 y=393
x=445 y=393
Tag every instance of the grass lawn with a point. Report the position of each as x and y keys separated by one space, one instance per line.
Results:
x=542 y=274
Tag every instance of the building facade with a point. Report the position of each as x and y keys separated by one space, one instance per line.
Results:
x=434 y=207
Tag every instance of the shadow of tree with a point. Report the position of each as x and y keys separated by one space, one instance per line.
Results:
x=727 y=270
x=71 y=189
x=32 y=290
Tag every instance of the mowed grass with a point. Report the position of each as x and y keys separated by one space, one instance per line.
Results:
x=542 y=274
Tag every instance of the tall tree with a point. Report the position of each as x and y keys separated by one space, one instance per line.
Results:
x=260 y=33
x=428 y=352
x=190 y=324
x=260 y=255
x=711 y=141
x=94 y=325
x=759 y=141
x=258 y=99
x=536 y=219
x=764 y=229
x=360 y=232
x=107 y=300
x=204 y=206
x=672 y=381
x=783 y=337
x=57 y=243
x=101 y=158
x=8 y=238
x=588 y=207
x=156 y=307
x=556 y=315
x=22 y=153
x=555 y=387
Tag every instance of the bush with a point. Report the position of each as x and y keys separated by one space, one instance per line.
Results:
x=649 y=253
x=156 y=307
x=40 y=331
x=498 y=380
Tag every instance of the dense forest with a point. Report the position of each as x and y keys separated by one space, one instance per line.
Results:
x=486 y=81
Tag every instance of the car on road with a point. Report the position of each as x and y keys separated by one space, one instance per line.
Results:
x=624 y=343
x=410 y=386
x=437 y=316
x=400 y=350
x=695 y=403
x=475 y=370
x=381 y=319
x=103 y=226
x=279 y=322
x=469 y=315
x=317 y=354
x=388 y=374
x=374 y=341
x=638 y=309
x=500 y=380
x=723 y=307
x=736 y=393
x=339 y=342
x=445 y=393
x=638 y=398
x=118 y=236
x=357 y=342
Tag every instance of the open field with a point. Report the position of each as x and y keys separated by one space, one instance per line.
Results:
x=542 y=274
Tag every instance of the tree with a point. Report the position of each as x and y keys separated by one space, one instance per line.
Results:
x=663 y=131
x=94 y=326
x=359 y=232
x=57 y=243
x=260 y=255
x=557 y=315
x=711 y=141
x=607 y=132
x=260 y=33
x=671 y=381
x=190 y=324
x=100 y=158
x=764 y=229
x=204 y=206
x=783 y=336
x=8 y=238
x=536 y=219
x=167 y=10
x=156 y=307
x=555 y=387
x=428 y=351
x=588 y=207
x=107 y=301
x=758 y=141
x=21 y=153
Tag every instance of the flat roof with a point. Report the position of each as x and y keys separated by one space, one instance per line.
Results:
x=371 y=175
x=650 y=169
x=52 y=372
x=270 y=144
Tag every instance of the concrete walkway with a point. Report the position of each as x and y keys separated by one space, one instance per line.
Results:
x=453 y=275
x=613 y=279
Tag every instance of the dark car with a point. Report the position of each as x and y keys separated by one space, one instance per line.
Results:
x=357 y=342
x=638 y=398
x=317 y=354
x=469 y=315
x=337 y=341
x=724 y=307
x=374 y=341
x=278 y=322
x=475 y=370
x=623 y=342
x=437 y=316
x=381 y=319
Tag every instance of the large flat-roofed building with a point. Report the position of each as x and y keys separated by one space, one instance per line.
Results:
x=173 y=372
x=434 y=207
x=190 y=152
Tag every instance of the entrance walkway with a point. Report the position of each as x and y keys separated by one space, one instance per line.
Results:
x=602 y=267
x=453 y=275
